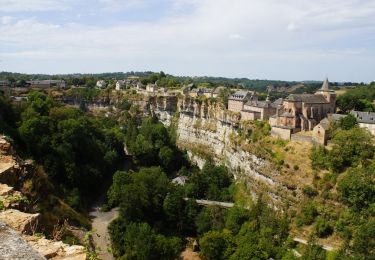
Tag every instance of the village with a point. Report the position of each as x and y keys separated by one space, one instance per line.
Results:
x=299 y=117
x=302 y=117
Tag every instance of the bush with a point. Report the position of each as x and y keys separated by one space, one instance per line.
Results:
x=322 y=228
x=356 y=188
x=310 y=191
x=307 y=215
x=215 y=245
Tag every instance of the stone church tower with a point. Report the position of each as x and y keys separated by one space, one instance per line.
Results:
x=328 y=94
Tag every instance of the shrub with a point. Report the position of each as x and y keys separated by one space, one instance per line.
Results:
x=322 y=228
x=307 y=215
x=310 y=191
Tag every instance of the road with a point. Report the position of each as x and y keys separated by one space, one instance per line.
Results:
x=100 y=222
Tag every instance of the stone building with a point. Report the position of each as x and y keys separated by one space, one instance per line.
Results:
x=236 y=101
x=42 y=84
x=260 y=110
x=207 y=92
x=152 y=88
x=302 y=112
x=365 y=120
x=101 y=84
x=196 y=92
x=217 y=91
x=119 y=84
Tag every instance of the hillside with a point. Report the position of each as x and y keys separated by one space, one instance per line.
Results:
x=310 y=195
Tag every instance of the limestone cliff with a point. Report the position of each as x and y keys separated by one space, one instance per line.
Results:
x=205 y=129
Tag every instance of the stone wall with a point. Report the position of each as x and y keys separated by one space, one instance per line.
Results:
x=281 y=133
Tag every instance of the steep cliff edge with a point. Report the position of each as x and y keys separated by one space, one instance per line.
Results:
x=18 y=228
x=205 y=129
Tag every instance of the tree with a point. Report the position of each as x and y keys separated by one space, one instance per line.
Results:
x=350 y=148
x=216 y=245
x=235 y=218
x=348 y=122
x=357 y=188
x=364 y=241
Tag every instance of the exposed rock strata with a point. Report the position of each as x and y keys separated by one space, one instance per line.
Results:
x=204 y=130
x=13 y=246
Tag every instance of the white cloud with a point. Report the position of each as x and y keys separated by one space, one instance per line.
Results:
x=6 y=19
x=32 y=5
x=235 y=36
x=119 y=5
x=205 y=40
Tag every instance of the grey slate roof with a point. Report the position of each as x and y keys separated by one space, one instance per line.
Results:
x=325 y=123
x=240 y=95
x=261 y=104
x=307 y=98
x=325 y=85
x=364 y=117
x=335 y=117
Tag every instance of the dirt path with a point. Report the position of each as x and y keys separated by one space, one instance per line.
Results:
x=100 y=222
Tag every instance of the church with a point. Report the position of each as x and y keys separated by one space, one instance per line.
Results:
x=302 y=112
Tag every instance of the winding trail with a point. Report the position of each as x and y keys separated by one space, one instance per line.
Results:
x=100 y=221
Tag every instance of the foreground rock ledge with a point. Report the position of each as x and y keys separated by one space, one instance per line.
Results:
x=12 y=246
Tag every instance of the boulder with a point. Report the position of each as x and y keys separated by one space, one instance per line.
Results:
x=12 y=246
x=20 y=221
x=56 y=250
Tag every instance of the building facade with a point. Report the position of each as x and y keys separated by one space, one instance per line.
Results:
x=365 y=120
x=236 y=101
x=302 y=112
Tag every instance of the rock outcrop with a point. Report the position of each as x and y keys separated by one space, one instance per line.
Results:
x=15 y=224
x=13 y=246
x=20 y=221
x=56 y=249
x=205 y=129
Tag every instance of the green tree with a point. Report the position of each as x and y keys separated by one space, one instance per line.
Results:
x=216 y=245
x=357 y=188
x=364 y=241
x=348 y=122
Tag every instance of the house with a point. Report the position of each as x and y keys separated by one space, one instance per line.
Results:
x=152 y=88
x=131 y=81
x=4 y=83
x=261 y=110
x=365 y=120
x=101 y=84
x=119 y=84
x=46 y=83
x=322 y=132
x=217 y=91
x=196 y=92
x=237 y=100
x=207 y=92
x=302 y=112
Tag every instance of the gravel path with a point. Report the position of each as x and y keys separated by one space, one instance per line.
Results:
x=100 y=222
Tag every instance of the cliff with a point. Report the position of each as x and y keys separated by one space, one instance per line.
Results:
x=18 y=229
x=206 y=129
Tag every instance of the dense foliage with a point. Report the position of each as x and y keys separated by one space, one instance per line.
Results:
x=77 y=151
x=359 y=98
x=351 y=170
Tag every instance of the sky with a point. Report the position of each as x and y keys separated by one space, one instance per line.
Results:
x=257 y=39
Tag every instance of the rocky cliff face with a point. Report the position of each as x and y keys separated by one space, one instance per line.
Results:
x=206 y=129
x=17 y=228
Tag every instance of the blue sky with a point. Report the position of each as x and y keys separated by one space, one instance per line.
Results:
x=267 y=39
